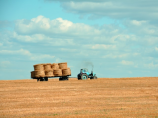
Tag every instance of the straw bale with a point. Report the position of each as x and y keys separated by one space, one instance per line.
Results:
x=66 y=72
x=38 y=67
x=55 y=66
x=57 y=72
x=40 y=73
x=47 y=66
x=62 y=65
x=49 y=73
x=32 y=74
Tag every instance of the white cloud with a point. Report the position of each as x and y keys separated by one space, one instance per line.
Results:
x=27 y=53
x=42 y=25
x=21 y=52
x=127 y=62
x=156 y=48
x=67 y=50
x=1 y=44
x=115 y=55
x=40 y=57
x=100 y=46
x=4 y=63
x=137 y=23
x=151 y=65
x=114 y=9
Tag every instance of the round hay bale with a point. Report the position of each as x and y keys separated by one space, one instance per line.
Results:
x=40 y=73
x=57 y=72
x=38 y=67
x=32 y=74
x=55 y=66
x=47 y=66
x=49 y=73
x=66 y=72
x=62 y=65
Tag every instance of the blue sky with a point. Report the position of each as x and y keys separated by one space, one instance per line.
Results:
x=119 y=38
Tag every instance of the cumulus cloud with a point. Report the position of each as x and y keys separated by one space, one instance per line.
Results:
x=59 y=30
x=26 y=53
x=44 y=25
x=101 y=46
x=127 y=62
x=1 y=44
x=4 y=63
x=21 y=51
x=151 y=65
x=115 y=55
x=135 y=9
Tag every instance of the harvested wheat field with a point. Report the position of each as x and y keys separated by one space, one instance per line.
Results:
x=104 y=97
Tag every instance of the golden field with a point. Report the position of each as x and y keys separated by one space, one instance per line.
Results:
x=102 y=98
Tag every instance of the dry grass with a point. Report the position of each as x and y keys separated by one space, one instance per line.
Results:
x=105 y=97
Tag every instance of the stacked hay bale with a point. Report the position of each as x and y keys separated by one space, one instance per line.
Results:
x=55 y=66
x=48 y=70
x=32 y=74
x=56 y=70
x=38 y=71
x=65 y=70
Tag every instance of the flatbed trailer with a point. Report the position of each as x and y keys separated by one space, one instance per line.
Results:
x=61 y=78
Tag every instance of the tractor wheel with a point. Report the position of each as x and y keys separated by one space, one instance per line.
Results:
x=92 y=78
x=95 y=77
x=84 y=77
x=79 y=77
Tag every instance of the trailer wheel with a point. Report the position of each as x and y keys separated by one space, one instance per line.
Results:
x=46 y=79
x=41 y=79
x=63 y=78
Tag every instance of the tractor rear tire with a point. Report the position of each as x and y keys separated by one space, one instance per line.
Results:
x=79 y=77
x=84 y=77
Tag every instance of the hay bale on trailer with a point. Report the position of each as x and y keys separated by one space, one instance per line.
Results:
x=38 y=67
x=55 y=66
x=49 y=73
x=47 y=66
x=39 y=73
x=43 y=71
x=66 y=72
x=57 y=72
x=62 y=65
x=32 y=74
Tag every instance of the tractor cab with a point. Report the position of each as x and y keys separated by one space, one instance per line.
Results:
x=84 y=70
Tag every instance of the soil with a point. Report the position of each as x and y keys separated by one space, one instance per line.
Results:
x=103 y=97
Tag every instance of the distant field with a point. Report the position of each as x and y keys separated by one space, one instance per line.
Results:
x=103 y=98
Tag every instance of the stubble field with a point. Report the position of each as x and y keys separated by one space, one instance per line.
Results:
x=104 y=97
